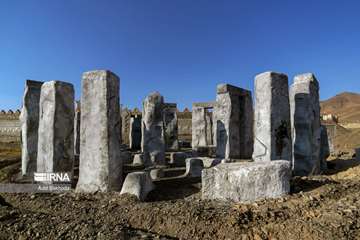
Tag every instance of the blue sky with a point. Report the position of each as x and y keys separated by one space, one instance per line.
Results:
x=181 y=48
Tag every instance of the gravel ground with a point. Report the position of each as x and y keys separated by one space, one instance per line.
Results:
x=321 y=207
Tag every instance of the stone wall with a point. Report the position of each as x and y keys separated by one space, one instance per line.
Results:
x=10 y=126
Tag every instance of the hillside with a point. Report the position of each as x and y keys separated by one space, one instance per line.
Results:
x=348 y=140
x=345 y=105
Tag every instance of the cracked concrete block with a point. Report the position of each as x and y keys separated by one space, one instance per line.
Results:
x=194 y=166
x=152 y=128
x=56 y=128
x=138 y=184
x=233 y=122
x=29 y=119
x=246 y=182
x=100 y=159
x=170 y=126
x=305 y=125
x=125 y=125
x=272 y=118
x=157 y=173
x=138 y=159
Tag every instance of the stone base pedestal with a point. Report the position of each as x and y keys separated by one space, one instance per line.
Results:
x=246 y=182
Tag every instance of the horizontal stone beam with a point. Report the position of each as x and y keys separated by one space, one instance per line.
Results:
x=169 y=105
x=227 y=88
x=204 y=104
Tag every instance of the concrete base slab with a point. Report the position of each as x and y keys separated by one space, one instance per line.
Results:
x=138 y=159
x=194 y=166
x=246 y=182
x=202 y=151
x=138 y=184
x=177 y=159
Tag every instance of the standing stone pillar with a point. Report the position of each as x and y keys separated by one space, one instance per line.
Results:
x=125 y=125
x=202 y=125
x=100 y=162
x=152 y=128
x=305 y=125
x=135 y=132
x=29 y=119
x=272 y=118
x=77 y=121
x=233 y=118
x=324 y=148
x=77 y=128
x=171 y=126
x=56 y=128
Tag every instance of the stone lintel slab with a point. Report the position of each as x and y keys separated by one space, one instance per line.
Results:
x=34 y=83
x=233 y=90
x=169 y=105
x=204 y=105
x=306 y=78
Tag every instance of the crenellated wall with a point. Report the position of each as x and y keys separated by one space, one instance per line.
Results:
x=10 y=126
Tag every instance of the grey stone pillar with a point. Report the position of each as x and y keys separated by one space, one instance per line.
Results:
x=56 y=128
x=324 y=148
x=170 y=126
x=272 y=118
x=305 y=125
x=125 y=125
x=152 y=128
x=29 y=119
x=202 y=125
x=77 y=128
x=233 y=122
x=135 y=132
x=100 y=162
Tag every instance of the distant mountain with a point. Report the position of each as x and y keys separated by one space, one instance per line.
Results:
x=345 y=105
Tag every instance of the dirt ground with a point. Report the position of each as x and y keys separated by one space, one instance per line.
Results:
x=321 y=207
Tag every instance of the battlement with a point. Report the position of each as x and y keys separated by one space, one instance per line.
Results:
x=10 y=114
x=10 y=126
x=10 y=123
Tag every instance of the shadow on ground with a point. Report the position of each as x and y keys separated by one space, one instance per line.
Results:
x=170 y=191
x=304 y=184
x=340 y=165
